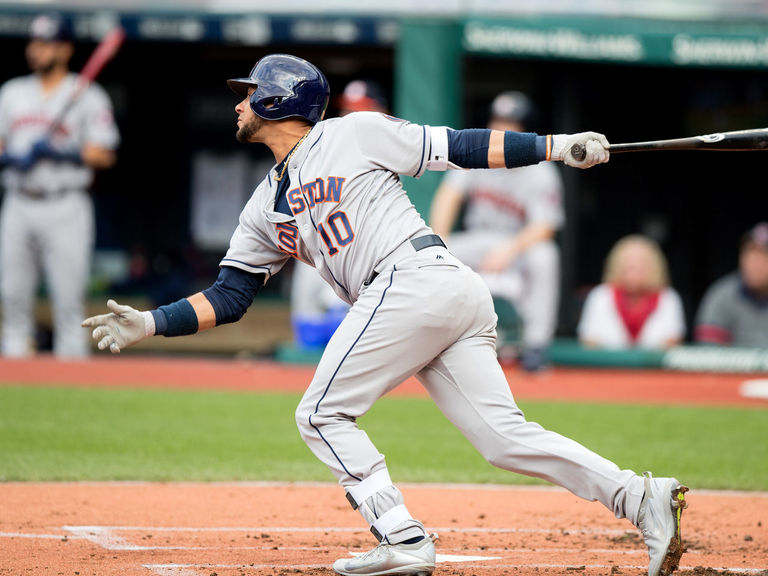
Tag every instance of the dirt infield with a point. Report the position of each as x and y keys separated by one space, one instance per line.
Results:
x=185 y=529
x=260 y=529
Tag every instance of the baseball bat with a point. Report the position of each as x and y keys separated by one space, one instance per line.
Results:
x=103 y=53
x=755 y=139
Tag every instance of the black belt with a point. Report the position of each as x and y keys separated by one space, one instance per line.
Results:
x=38 y=194
x=419 y=243
x=427 y=242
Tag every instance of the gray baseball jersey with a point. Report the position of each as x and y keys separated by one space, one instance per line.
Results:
x=26 y=112
x=349 y=208
x=506 y=200
x=47 y=214
x=424 y=313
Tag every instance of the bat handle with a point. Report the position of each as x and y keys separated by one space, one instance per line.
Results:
x=578 y=152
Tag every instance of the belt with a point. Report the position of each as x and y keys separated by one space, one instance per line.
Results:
x=39 y=194
x=405 y=249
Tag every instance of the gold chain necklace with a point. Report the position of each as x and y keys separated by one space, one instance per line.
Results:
x=293 y=151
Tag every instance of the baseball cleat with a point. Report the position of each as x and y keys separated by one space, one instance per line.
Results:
x=659 y=521
x=416 y=559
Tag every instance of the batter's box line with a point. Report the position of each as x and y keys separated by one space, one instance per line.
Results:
x=203 y=569
x=361 y=530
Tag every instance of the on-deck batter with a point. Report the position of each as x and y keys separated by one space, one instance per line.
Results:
x=335 y=200
x=509 y=225
x=47 y=218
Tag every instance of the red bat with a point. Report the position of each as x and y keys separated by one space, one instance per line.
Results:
x=104 y=52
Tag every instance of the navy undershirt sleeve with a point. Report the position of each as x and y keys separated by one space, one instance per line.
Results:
x=230 y=297
x=233 y=293
x=469 y=148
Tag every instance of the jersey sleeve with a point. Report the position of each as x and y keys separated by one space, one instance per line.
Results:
x=98 y=119
x=546 y=196
x=250 y=248
x=392 y=143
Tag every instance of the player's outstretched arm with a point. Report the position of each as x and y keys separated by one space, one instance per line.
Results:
x=224 y=302
x=504 y=148
x=483 y=148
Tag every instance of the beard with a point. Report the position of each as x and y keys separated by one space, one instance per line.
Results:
x=43 y=67
x=248 y=130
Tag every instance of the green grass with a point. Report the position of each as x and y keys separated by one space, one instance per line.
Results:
x=100 y=434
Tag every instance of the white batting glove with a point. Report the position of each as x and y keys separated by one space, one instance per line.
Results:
x=595 y=148
x=123 y=327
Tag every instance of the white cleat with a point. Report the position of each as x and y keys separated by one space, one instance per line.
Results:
x=659 y=521
x=392 y=559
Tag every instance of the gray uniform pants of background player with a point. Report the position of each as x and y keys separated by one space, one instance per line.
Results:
x=531 y=283
x=54 y=236
x=437 y=322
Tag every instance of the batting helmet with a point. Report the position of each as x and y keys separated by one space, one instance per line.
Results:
x=286 y=87
x=512 y=106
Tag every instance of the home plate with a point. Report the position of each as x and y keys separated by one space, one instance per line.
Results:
x=457 y=558
x=754 y=389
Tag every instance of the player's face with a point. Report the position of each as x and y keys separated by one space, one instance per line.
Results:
x=753 y=263
x=636 y=269
x=248 y=124
x=43 y=57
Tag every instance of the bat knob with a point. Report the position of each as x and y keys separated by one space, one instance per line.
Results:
x=578 y=152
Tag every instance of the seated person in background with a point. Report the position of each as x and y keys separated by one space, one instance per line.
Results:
x=510 y=221
x=316 y=310
x=735 y=308
x=634 y=306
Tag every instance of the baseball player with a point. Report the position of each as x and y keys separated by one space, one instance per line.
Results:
x=47 y=215
x=510 y=221
x=335 y=200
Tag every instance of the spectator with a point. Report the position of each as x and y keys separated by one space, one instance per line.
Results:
x=511 y=217
x=316 y=310
x=47 y=222
x=735 y=308
x=634 y=306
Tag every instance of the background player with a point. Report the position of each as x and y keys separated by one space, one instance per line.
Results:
x=510 y=222
x=316 y=310
x=334 y=199
x=47 y=216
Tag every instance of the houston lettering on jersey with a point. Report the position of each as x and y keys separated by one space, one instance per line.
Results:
x=315 y=193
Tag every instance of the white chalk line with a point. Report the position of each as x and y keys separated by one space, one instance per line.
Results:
x=38 y=536
x=200 y=569
x=351 y=529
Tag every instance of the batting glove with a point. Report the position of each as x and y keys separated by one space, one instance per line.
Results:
x=123 y=327
x=595 y=146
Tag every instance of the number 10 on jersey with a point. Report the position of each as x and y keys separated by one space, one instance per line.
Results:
x=340 y=230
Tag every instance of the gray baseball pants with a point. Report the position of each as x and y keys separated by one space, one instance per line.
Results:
x=53 y=236
x=432 y=317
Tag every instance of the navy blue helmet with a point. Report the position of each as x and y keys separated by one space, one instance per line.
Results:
x=286 y=87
